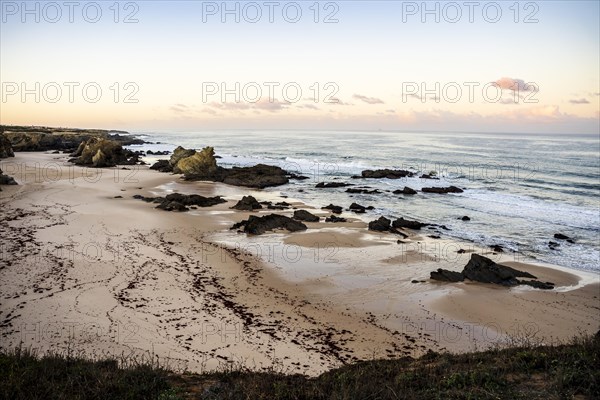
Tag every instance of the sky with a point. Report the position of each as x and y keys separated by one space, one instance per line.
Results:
x=477 y=66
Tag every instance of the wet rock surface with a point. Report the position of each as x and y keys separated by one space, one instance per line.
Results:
x=259 y=225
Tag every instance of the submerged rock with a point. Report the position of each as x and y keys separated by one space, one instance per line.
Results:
x=465 y=218
x=259 y=225
x=303 y=215
x=386 y=173
x=561 y=236
x=406 y=190
x=362 y=191
x=332 y=185
x=442 y=190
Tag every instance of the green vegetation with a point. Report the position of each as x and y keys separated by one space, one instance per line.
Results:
x=525 y=372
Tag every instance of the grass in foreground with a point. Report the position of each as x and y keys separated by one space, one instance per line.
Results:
x=528 y=372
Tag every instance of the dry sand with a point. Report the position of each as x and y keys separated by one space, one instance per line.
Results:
x=83 y=269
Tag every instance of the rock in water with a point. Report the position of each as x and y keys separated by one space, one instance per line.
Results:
x=380 y=225
x=386 y=173
x=247 y=203
x=482 y=269
x=332 y=184
x=442 y=190
x=333 y=208
x=258 y=176
x=561 y=236
x=303 y=215
x=6 y=149
x=447 y=276
x=333 y=218
x=202 y=164
x=259 y=225
x=406 y=190
x=405 y=223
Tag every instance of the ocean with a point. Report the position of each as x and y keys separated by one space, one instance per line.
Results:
x=520 y=189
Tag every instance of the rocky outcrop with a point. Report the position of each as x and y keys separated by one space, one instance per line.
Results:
x=181 y=202
x=357 y=208
x=200 y=165
x=447 y=276
x=482 y=269
x=247 y=203
x=45 y=138
x=102 y=153
x=321 y=185
x=178 y=154
x=382 y=224
x=333 y=209
x=405 y=223
x=442 y=190
x=333 y=218
x=258 y=176
x=362 y=191
x=465 y=218
x=385 y=173
x=406 y=190
x=303 y=215
x=259 y=225
x=6 y=149
x=6 y=180
x=162 y=166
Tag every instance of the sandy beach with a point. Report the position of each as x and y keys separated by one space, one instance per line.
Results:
x=85 y=266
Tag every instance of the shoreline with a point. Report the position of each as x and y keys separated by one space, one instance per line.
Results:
x=178 y=286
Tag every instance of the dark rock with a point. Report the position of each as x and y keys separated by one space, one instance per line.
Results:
x=482 y=269
x=162 y=166
x=259 y=225
x=461 y=251
x=282 y=205
x=362 y=191
x=497 y=248
x=560 y=236
x=172 y=206
x=298 y=177
x=427 y=176
x=538 y=284
x=303 y=215
x=405 y=223
x=333 y=209
x=380 y=225
x=435 y=236
x=159 y=153
x=6 y=180
x=357 y=208
x=333 y=218
x=247 y=203
x=447 y=276
x=386 y=173
x=406 y=190
x=118 y=197
x=6 y=149
x=259 y=176
x=332 y=185
x=465 y=218
x=442 y=190
x=195 y=200
x=553 y=245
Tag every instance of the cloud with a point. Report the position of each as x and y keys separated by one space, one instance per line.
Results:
x=261 y=105
x=368 y=100
x=515 y=84
x=310 y=106
x=338 y=102
x=579 y=101
x=271 y=105
x=179 y=108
